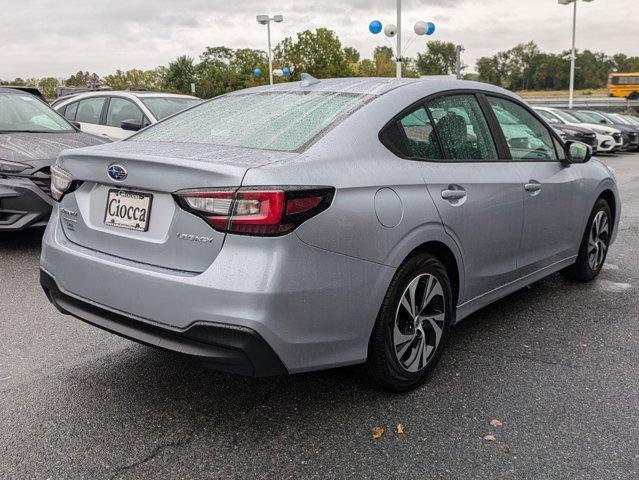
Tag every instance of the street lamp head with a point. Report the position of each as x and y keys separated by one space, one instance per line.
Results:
x=278 y=18
x=262 y=19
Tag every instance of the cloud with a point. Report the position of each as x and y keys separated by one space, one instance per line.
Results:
x=48 y=37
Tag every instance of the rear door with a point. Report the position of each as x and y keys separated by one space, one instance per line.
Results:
x=89 y=115
x=478 y=196
x=552 y=188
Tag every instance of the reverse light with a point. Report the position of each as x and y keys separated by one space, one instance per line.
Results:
x=267 y=211
x=61 y=182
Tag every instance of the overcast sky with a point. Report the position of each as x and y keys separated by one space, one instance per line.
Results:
x=55 y=37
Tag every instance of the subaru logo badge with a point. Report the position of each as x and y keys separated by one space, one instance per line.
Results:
x=117 y=172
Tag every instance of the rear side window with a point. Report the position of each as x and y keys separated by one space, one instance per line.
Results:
x=420 y=135
x=527 y=137
x=286 y=121
x=90 y=110
x=462 y=128
x=71 y=110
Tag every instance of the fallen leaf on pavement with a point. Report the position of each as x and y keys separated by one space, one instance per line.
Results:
x=377 y=432
x=489 y=438
x=495 y=422
x=400 y=428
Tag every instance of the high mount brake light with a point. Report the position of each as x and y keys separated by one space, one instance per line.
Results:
x=261 y=211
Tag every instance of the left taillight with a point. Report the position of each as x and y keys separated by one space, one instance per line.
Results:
x=263 y=211
x=61 y=182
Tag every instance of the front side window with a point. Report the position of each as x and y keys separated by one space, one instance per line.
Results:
x=420 y=135
x=286 y=121
x=462 y=128
x=25 y=113
x=90 y=110
x=120 y=110
x=526 y=136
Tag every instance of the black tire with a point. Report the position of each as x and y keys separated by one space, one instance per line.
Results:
x=633 y=96
x=383 y=363
x=582 y=270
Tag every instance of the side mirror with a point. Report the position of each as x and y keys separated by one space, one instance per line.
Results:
x=131 y=125
x=77 y=125
x=577 y=152
x=603 y=122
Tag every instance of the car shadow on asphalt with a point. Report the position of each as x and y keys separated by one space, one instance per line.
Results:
x=23 y=240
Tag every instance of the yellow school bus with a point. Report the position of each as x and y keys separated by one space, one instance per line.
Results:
x=624 y=85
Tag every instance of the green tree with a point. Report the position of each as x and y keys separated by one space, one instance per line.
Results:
x=48 y=86
x=439 y=59
x=82 y=79
x=351 y=55
x=135 y=80
x=318 y=53
x=180 y=73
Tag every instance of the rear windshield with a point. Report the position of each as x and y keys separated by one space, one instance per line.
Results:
x=162 y=107
x=287 y=121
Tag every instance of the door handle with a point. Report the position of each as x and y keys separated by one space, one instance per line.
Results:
x=453 y=195
x=532 y=187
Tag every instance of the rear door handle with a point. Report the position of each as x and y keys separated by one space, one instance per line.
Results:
x=450 y=194
x=533 y=186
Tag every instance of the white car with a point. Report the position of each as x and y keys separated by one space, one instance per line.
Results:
x=116 y=115
x=609 y=138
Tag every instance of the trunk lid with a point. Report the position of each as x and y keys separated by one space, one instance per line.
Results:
x=174 y=239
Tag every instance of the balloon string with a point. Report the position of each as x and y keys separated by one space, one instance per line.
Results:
x=408 y=44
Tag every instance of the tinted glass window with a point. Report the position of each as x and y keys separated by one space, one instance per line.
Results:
x=285 y=121
x=89 y=110
x=463 y=128
x=549 y=117
x=21 y=112
x=422 y=140
x=71 y=110
x=120 y=110
x=162 y=107
x=527 y=137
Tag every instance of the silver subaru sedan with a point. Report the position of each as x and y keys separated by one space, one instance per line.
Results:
x=316 y=224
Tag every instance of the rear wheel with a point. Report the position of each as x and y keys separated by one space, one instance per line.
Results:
x=633 y=96
x=412 y=326
x=594 y=245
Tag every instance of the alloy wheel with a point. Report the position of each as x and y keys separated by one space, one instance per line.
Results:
x=598 y=240
x=419 y=322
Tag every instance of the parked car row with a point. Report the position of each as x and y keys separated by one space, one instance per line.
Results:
x=33 y=134
x=116 y=115
x=604 y=132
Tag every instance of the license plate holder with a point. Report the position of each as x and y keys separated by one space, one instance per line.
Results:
x=128 y=209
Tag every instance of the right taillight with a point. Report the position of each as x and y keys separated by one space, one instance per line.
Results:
x=265 y=211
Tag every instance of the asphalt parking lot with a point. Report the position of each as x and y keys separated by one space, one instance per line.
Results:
x=556 y=363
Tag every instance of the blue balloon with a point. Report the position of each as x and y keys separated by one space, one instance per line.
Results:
x=375 y=27
x=257 y=72
x=286 y=71
x=431 y=28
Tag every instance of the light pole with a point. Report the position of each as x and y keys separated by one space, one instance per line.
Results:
x=266 y=20
x=573 y=55
x=399 y=39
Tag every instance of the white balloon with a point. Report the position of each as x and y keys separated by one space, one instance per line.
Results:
x=278 y=72
x=421 y=28
x=390 y=30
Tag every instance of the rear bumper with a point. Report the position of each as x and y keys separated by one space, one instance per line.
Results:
x=22 y=204
x=230 y=349
x=314 y=308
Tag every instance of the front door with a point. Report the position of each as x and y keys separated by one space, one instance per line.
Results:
x=552 y=190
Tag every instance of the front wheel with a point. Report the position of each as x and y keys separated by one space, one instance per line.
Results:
x=594 y=245
x=412 y=326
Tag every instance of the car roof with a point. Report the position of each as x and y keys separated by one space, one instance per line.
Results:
x=18 y=88
x=376 y=85
x=121 y=93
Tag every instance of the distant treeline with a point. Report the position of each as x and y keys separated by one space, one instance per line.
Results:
x=221 y=69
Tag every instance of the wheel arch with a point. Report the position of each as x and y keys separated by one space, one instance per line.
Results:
x=609 y=197
x=445 y=255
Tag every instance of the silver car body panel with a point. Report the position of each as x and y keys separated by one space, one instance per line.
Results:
x=314 y=294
